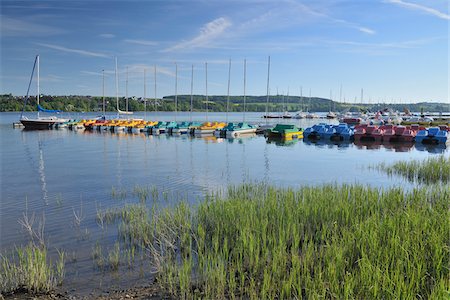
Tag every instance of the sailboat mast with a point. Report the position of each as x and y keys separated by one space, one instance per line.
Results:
x=309 y=104
x=103 y=91
x=192 y=90
x=245 y=85
x=156 y=107
x=29 y=86
x=228 y=90
x=301 y=98
x=38 y=93
x=117 y=89
x=126 y=92
x=176 y=90
x=206 y=88
x=145 y=94
x=331 y=100
x=267 y=100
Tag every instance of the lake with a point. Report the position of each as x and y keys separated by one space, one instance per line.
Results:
x=64 y=177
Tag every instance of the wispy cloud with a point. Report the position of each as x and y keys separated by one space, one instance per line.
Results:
x=208 y=33
x=91 y=73
x=107 y=35
x=422 y=8
x=77 y=51
x=142 y=42
x=21 y=27
x=349 y=24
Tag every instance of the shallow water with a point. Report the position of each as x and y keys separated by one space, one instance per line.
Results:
x=62 y=175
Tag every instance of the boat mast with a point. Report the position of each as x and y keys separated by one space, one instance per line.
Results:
x=145 y=95
x=309 y=104
x=301 y=98
x=228 y=91
x=176 y=90
x=156 y=107
x=38 y=95
x=117 y=89
x=126 y=92
x=103 y=91
x=245 y=75
x=331 y=101
x=192 y=90
x=267 y=100
x=29 y=86
x=206 y=88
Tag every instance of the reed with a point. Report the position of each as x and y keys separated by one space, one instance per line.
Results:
x=263 y=242
x=431 y=170
x=29 y=268
x=118 y=194
x=141 y=192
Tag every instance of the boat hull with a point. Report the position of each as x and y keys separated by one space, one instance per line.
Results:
x=236 y=133
x=37 y=124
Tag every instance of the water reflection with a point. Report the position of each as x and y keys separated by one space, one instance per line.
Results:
x=440 y=148
x=281 y=142
x=327 y=144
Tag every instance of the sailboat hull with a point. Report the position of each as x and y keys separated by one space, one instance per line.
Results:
x=37 y=124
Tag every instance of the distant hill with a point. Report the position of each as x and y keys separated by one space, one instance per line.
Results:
x=216 y=103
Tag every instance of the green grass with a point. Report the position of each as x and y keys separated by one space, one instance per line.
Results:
x=30 y=269
x=332 y=242
x=432 y=170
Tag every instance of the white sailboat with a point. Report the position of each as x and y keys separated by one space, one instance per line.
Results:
x=39 y=122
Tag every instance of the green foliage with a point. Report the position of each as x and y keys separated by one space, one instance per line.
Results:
x=333 y=242
x=74 y=103
x=431 y=170
x=30 y=269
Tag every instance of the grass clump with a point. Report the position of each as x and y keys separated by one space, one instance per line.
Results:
x=332 y=242
x=431 y=170
x=30 y=269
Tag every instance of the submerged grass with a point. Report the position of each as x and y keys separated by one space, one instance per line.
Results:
x=334 y=242
x=30 y=269
x=431 y=170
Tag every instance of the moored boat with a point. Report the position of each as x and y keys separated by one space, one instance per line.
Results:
x=233 y=130
x=433 y=135
x=285 y=131
x=208 y=127
x=368 y=133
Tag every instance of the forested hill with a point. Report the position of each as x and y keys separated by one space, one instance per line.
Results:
x=277 y=103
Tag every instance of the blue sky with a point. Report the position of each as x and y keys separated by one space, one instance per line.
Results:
x=396 y=50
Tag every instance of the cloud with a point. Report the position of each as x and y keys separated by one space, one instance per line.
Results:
x=107 y=35
x=77 y=51
x=91 y=73
x=142 y=42
x=21 y=27
x=425 y=9
x=366 y=30
x=208 y=33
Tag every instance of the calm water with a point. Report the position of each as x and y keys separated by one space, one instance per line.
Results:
x=61 y=174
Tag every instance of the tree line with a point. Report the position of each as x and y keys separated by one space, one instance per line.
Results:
x=277 y=103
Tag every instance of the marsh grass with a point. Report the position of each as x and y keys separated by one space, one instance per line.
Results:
x=118 y=194
x=333 y=242
x=142 y=193
x=431 y=170
x=30 y=268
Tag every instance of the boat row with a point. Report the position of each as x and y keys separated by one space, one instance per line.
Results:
x=374 y=133
x=219 y=129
